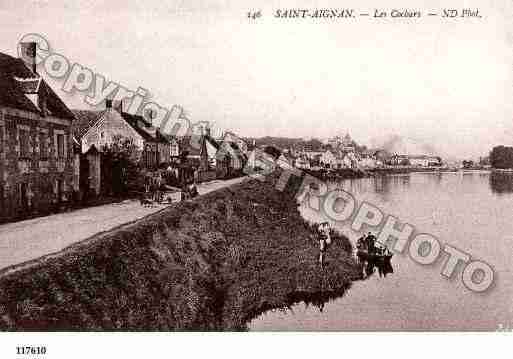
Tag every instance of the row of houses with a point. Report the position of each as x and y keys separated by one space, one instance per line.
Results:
x=330 y=159
x=50 y=153
x=349 y=158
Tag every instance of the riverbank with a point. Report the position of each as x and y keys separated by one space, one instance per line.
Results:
x=349 y=173
x=213 y=263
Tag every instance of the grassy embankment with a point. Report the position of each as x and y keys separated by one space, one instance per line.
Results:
x=213 y=263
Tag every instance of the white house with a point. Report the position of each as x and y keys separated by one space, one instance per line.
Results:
x=303 y=162
x=286 y=160
x=174 y=147
x=259 y=159
x=328 y=159
x=367 y=162
x=424 y=161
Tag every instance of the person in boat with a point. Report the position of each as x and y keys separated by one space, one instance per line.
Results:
x=371 y=243
x=360 y=243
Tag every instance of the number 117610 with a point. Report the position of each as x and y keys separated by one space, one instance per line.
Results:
x=31 y=350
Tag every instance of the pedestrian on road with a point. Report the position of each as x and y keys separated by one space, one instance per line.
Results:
x=158 y=185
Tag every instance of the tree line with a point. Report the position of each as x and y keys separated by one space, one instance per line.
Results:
x=501 y=157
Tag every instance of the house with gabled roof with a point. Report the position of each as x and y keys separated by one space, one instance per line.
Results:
x=36 y=148
x=286 y=160
x=100 y=128
x=328 y=159
x=230 y=159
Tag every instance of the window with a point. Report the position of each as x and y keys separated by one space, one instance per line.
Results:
x=2 y=200
x=43 y=146
x=24 y=143
x=60 y=146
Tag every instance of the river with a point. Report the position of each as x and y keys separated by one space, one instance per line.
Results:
x=472 y=211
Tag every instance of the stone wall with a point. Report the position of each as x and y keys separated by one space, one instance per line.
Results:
x=32 y=182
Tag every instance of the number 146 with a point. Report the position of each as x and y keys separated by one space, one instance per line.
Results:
x=254 y=14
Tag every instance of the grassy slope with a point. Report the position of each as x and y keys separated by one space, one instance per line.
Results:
x=209 y=264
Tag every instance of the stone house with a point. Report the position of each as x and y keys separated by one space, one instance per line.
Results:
x=36 y=146
x=95 y=129
x=230 y=159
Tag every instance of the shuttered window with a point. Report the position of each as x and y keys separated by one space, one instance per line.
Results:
x=60 y=146
x=24 y=143
x=43 y=146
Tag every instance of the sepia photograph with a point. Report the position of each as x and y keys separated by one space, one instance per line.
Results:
x=254 y=167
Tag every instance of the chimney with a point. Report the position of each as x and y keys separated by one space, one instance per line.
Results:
x=28 y=54
x=108 y=103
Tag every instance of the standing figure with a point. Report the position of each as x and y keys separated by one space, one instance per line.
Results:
x=371 y=243
x=147 y=185
x=193 y=190
x=322 y=246
x=158 y=185
x=325 y=228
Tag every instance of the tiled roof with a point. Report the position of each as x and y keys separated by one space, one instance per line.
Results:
x=84 y=120
x=144 y=128
x=12 y=90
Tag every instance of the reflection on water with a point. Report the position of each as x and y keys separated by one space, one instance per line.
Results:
x=501 y=182
x=471 y=211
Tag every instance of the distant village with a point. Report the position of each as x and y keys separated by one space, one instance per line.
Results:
x=342 y=152
x=53 y=157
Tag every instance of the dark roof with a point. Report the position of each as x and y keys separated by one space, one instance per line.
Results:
x=30 y=85
x=273 y=151
x=212 y=141
x=138 y=123
x=84 y=120
x=289 y=156
x=232 y=150
x=14 y=85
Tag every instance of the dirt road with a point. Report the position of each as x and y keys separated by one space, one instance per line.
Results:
x=33 y=238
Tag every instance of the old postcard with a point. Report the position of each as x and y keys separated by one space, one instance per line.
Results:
x=255 y=166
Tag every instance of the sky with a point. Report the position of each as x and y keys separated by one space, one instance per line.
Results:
x=445 y=83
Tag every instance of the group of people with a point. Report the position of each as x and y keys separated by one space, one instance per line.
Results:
x=189 y=190
x=371 y=245
x=371 y=253
x=152 y=187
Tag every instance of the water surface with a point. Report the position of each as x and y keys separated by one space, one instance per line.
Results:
x=472 y=211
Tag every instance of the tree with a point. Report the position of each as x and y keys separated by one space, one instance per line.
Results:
x=501 y=157
x=468 y=164
x=121 y=170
